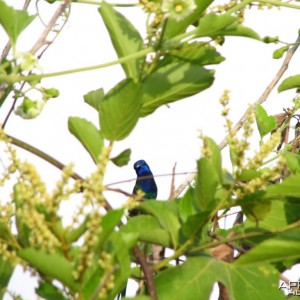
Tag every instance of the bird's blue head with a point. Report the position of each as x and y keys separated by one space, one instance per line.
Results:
x=141 y=168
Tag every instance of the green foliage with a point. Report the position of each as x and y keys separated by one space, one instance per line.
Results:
x=122 y=159
x=289 y=83
x=119 y=111
x=265 y=123
x=125 y=38
x=93 y=257
x=89 y=136
x=13 y=21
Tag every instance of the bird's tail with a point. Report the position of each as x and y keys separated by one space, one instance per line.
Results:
x=122 y=294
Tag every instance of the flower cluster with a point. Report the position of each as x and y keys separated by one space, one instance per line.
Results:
x=86 y=255
x=93 y=186
x=106 y=263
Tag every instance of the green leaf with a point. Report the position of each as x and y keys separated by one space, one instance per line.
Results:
x=278 y=53
x=196 y=53
x=195 y=278
x=265 y=123
x=122 y=257
x=186 y=205
x=289 y=187
x=174 y=82
x=88 y=135
x=13 y=21
x=284 y=247
x=292 y=82
x=215 y=156
x=195 y=223
x=125 y=38
x=166 y=214
x=255 y=208
x=282 y=214
x=120 y=109
x=49 y=292
x=93 y=98
x=213 y=25
x=206 y=184
x=292 y=161
x=174 y=27
x=54 y=265
x=148 y=229
x=249 y=174
x=6 y=271
x=73 y=235
x=109 y=222
x=122 y=159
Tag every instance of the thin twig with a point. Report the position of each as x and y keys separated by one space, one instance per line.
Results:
x=172 y=190
x=148 y=272
x=42 y=155
x=243 y=119
x=42 y=39
x=230 y=244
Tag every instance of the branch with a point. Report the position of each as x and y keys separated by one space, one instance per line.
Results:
x=42 y=39
x=243 y=119
x=42 y=155
x=148 y=272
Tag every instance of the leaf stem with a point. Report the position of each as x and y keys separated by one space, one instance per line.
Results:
x=15 y=78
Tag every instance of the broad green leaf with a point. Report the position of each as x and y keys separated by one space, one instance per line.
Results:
x=125 y=38
x=206 y=184
x=289 y=187
x=249 y=174
x=195 y=223
x=256 y=209
x=215 y=156
x=174 y=82
x=223 y=25
x=282 y=214
x=265 y=123
x=292 y=82
x=120 y=109
x=122 y=159
x=166 y=214
x=186 y=205
x=278 y=53
x=73 y=235
x=292 y=161
x=13 y=21
x=53 y=265
x=284 y=247
x=49 y=292
x=174 y=27
x=93 y=98
x=88 y=135
x=6 y=271
x=148 y=229
x=109 y=222
x=195 y=278
x=196 y=53
x=122 y=257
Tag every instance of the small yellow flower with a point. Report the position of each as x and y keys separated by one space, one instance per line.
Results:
x=178 y=9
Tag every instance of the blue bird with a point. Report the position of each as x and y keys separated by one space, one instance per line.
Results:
x=144 y=182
